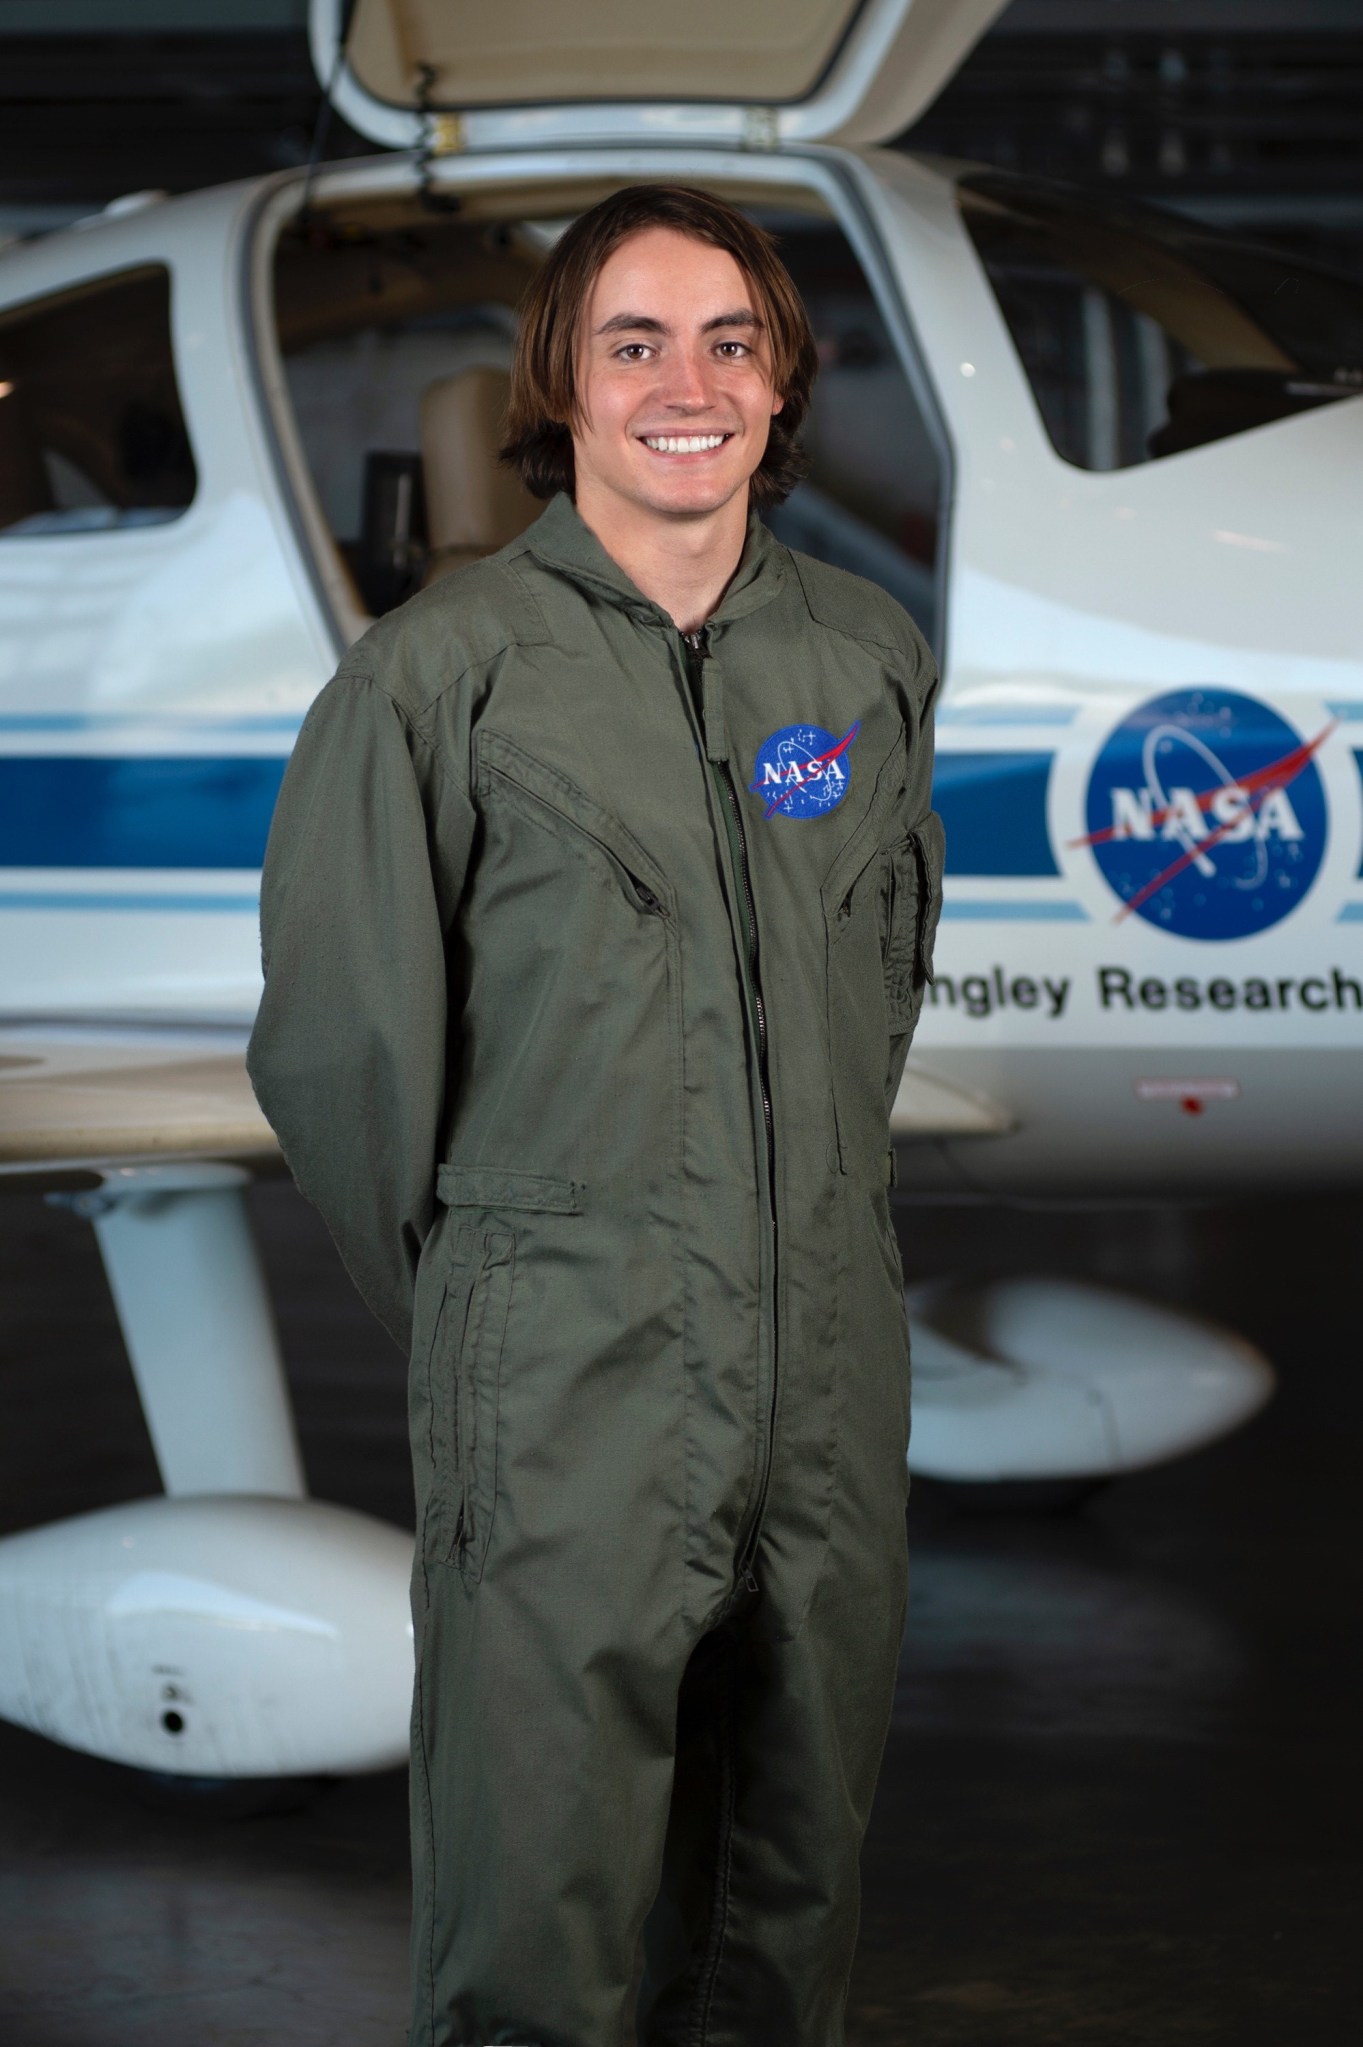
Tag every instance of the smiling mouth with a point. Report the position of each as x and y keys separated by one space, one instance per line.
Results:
x=684 y=444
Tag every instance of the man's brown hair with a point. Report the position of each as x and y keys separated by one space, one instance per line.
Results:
x=544 y=398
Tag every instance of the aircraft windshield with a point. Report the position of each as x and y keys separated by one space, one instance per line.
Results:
x=1144 y=335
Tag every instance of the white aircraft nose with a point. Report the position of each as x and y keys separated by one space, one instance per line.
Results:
x=1051 y=1379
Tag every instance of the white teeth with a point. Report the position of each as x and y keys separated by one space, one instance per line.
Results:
x=683 y=444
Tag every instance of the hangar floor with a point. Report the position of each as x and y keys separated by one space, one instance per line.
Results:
x=1120 y=1801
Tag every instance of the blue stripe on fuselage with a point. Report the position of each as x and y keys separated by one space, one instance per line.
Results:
x=994 y=808
x=212 y=811
x=158 y=810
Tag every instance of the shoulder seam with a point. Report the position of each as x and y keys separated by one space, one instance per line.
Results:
x=527 y=597
x=429 y=746
x=882 y=637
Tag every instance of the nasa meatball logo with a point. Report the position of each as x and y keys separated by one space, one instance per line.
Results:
x=1206 y=814
x=802 y=771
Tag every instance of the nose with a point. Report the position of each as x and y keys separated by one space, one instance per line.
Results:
x=686 y=383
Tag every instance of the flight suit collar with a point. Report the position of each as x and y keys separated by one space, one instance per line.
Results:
x=562 y=541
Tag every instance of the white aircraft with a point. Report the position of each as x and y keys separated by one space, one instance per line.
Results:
x=1109 y=461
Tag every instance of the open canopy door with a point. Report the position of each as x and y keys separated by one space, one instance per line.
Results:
x=465 y=74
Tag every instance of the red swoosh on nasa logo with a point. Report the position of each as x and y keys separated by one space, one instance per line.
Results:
x=1276 y=775
x=820 y=760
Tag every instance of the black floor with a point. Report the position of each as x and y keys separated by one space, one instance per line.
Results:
x=1120 y=1804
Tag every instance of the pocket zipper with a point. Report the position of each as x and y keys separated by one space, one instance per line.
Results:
x=644 y=895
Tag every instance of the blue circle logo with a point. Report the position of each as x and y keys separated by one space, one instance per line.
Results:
x=1206 y=814
x=803 y=771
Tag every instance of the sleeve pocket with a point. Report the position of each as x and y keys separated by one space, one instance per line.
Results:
x=915 y=882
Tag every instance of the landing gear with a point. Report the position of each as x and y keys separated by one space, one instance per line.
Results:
x=233 y=1642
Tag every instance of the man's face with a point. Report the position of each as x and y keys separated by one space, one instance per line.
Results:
x=673 y=377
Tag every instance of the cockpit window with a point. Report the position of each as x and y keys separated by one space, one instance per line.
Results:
x=871 y=501
x=92 y=432
x=1144 y=335
x=396 y=335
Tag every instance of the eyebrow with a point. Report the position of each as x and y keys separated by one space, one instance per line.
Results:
x=644 y=323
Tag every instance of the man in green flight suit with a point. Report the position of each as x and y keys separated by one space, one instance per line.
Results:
x=597 y=914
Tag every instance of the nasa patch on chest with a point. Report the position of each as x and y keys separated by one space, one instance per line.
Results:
x=803 y=771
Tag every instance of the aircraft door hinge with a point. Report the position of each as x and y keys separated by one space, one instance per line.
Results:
x=761 y=127
x=443 y=135
x=446 y=135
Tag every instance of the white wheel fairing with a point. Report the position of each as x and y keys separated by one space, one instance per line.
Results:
x=1050 y=1379
x=214 y=1636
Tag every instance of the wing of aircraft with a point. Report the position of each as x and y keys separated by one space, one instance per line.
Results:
x=74 y=1095
x=94 y=1096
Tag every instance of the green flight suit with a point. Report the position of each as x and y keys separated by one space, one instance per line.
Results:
x=592 y=959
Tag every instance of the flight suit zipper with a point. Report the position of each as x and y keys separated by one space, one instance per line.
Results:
x=696 y=644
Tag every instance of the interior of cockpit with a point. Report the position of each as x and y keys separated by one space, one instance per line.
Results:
x=396 y=326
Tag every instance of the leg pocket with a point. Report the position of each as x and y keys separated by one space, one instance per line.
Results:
x=465 y=1378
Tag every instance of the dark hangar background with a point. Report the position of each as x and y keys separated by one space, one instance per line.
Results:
x=1243 y=111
